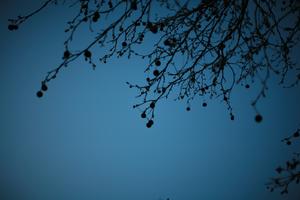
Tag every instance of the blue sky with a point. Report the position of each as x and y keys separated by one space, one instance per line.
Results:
x=83 y=140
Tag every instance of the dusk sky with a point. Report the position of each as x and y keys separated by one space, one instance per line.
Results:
x=83 y=139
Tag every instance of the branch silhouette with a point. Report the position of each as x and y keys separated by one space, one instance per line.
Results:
x=201 y=49
x=219 y=43
x=288 y=174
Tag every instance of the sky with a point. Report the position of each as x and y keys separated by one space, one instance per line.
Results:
x=83 y=139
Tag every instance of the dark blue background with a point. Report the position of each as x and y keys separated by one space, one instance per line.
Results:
x=83 y=140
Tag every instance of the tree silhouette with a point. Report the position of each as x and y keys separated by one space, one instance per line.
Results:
x=201 y=49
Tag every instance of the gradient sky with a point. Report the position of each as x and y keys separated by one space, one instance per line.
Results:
x=83 y=140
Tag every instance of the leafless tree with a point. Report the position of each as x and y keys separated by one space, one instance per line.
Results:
x=201 y=49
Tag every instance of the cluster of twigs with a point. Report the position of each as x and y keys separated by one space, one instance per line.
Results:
x=200 y=48
x=290 y=173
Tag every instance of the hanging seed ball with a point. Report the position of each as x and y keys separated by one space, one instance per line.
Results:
x=157 y=63
x=152 y=105
x=87 y=53
x=204 y=104
x=124 y=44
x=156 y=72
x=96 y=16
x=258 y=118
x=44 y=87
x=143 y=115
x=232 y=117
x=154 y=29
x=12 y=27
x=39 y=94
x=67 y=54
x=149 y=123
